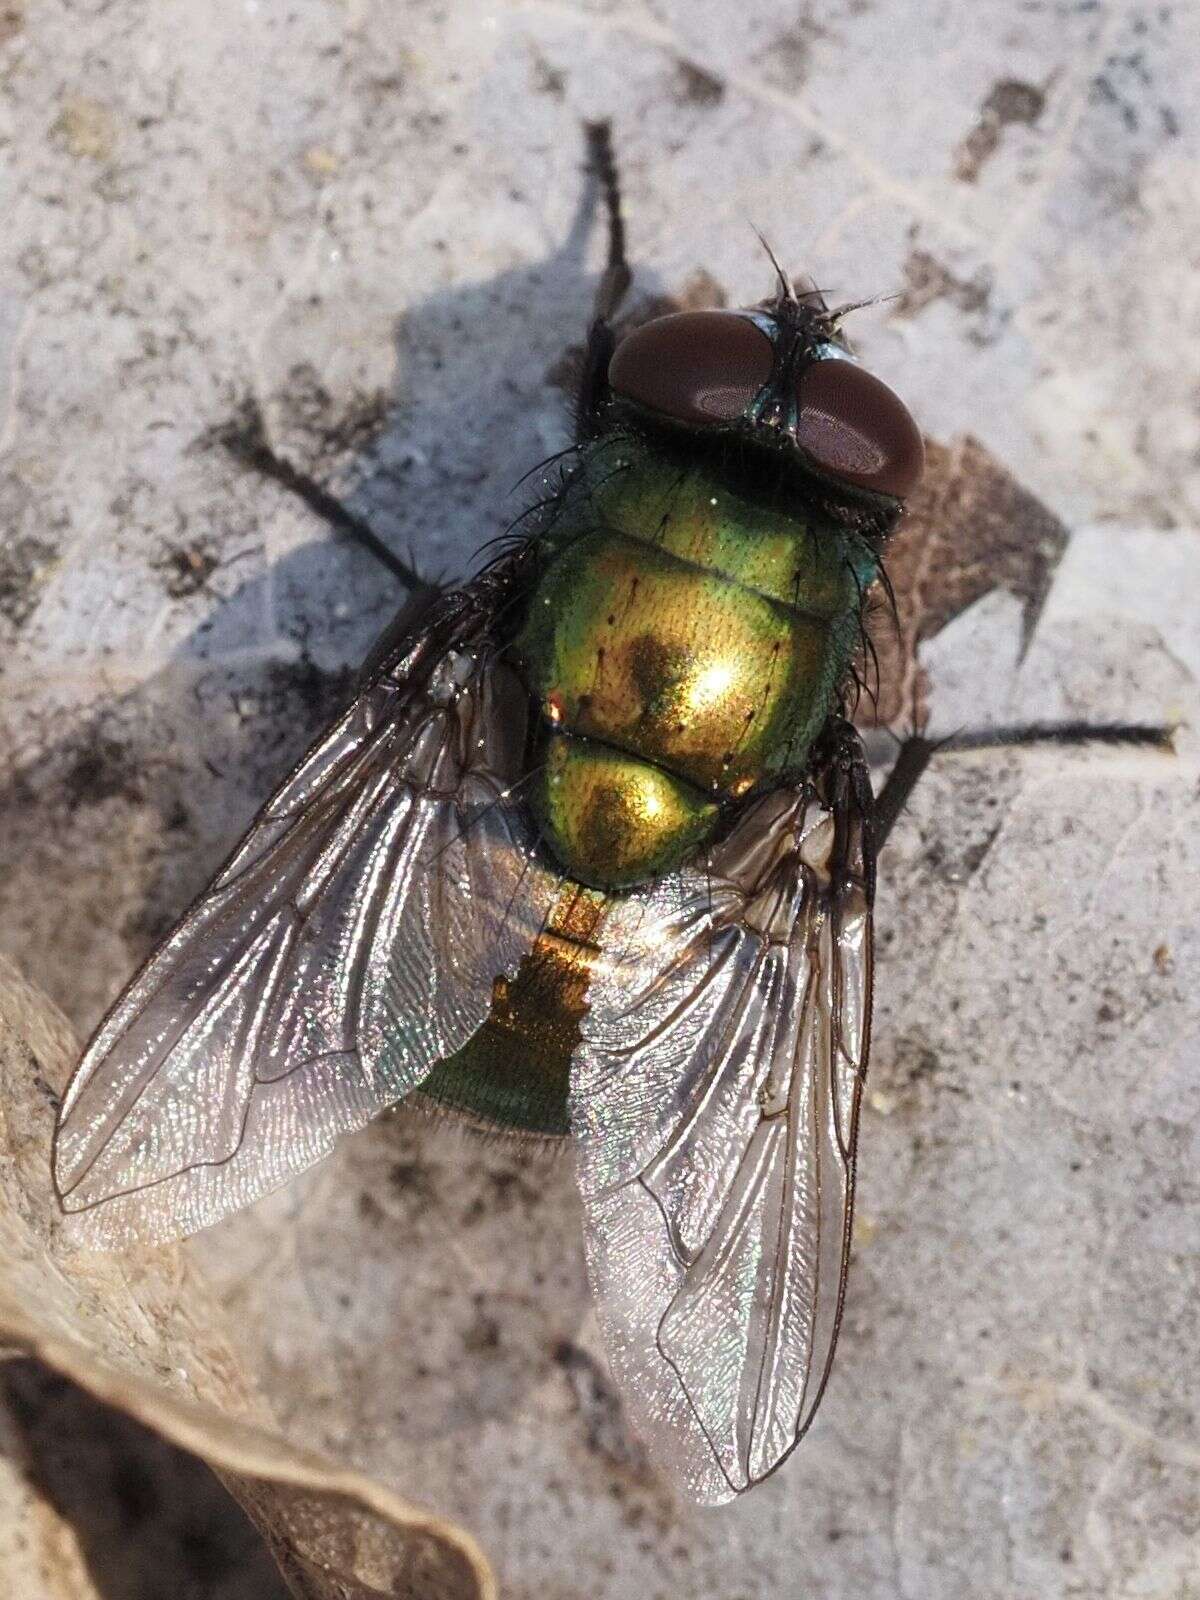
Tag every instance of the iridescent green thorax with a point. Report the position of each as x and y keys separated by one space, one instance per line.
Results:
x=685 y=641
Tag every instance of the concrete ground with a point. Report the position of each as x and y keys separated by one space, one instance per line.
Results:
x=369 y=220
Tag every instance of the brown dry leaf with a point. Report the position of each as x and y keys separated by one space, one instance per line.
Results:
x=970 y=528
x=142 y=1333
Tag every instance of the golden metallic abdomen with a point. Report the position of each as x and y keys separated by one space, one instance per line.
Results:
x=614 y=819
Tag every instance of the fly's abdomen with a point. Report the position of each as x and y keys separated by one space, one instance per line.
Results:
x=613 y=819
x=684 y=647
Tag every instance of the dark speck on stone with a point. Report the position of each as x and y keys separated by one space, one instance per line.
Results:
x=699 y=88
x=22 y=565
x=1009 y=101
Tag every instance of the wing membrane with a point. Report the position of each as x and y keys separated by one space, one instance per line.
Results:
x=715 y=1103
x=349 y=944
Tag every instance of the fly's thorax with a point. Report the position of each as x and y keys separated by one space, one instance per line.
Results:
x=684 y=644
x=696 y=513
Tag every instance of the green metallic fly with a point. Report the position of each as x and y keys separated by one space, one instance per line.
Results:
x=592 y=853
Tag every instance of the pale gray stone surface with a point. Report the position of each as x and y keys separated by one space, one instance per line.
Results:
x=339 y=207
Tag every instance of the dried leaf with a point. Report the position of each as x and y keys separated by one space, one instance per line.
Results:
x=143 y=1334
x=970 y=528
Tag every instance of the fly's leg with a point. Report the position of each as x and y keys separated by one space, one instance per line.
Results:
x=614 y=281
x=247 y=440
x=839 y=765
x=916 y=752
x=617 y=276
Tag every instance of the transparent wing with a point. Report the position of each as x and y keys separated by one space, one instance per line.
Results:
x=351 y=943
x=715 y=1104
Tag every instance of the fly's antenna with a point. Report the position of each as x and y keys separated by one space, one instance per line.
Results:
x=786 y=291
x=616 y=277
x=838 y=312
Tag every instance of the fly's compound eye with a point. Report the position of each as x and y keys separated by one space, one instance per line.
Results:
x=694 y=366
x=853 y=427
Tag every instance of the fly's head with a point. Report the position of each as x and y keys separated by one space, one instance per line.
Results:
x=779 y=376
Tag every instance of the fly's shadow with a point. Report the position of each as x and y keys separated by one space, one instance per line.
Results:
x=122 y=820
x=112 y=828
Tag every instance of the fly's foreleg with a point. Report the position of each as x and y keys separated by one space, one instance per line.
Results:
x=614 y=281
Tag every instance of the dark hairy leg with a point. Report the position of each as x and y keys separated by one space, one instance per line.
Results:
x=247 y=441
x=614 y=281
x=916 y=752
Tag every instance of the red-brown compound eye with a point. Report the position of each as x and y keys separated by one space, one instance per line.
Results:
x=854 y=427
x=695 y=366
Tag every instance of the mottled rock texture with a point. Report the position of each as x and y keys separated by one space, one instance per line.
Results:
x=368 y=219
